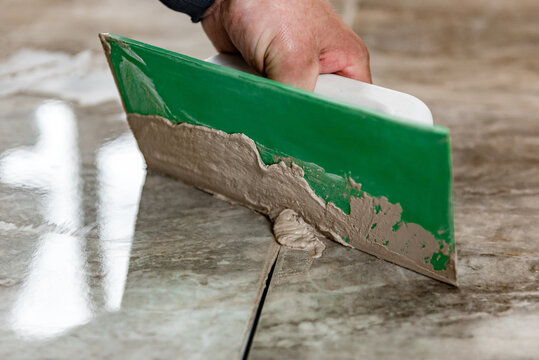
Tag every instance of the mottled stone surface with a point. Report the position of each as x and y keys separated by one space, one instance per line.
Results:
x=100 y=260
x=351 y=305
x=475 y=64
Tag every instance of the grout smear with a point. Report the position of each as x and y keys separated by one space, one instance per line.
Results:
x=293 y=232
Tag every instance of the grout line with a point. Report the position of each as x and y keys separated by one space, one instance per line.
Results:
x=254 y=325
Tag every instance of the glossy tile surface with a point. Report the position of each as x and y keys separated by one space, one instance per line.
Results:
x=100 y=260
x=97 y=258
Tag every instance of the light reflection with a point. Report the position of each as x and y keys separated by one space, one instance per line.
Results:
x=121 y=177
x=51 y=166
x=54 y=296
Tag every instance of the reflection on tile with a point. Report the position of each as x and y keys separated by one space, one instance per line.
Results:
x=54 y=294
x=121 y=173
x=78 y=279
x=143 y=267
x=51 y=166
x=66 y=226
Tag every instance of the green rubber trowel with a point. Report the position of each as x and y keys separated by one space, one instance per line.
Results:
x=360 y=164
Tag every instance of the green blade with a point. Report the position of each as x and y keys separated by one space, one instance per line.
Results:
x=333 y=142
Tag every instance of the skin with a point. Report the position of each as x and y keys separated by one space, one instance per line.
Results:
x=290 y=41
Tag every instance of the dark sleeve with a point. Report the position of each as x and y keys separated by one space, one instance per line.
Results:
x=194 y=8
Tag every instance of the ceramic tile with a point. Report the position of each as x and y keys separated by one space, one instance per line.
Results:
x=349 y=305
x=100 y=260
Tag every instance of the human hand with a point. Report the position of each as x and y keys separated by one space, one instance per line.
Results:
x=288 y=41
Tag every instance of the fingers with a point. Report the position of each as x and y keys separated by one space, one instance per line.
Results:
x=358 y=67
x=297 y=68
x=358 y=72
x=216 y=32
x=292 y=49
x=350 y=59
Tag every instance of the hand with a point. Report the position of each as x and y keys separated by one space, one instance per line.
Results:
x=290 y=41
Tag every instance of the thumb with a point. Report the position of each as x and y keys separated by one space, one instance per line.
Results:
x=299 y=70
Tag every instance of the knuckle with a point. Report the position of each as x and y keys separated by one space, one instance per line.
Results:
x=297 y=54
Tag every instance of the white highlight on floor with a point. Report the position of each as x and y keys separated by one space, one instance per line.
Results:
x=54 y=296
x=121 y=177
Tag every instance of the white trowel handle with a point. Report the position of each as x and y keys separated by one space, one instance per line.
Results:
x=352 y=91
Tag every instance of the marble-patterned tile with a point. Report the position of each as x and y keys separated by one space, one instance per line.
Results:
x=473 y=64
x=350 y=305
x=190 y=288
x=100 y=260
x=72 y=27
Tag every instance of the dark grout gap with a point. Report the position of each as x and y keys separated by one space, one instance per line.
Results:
x=249 y=341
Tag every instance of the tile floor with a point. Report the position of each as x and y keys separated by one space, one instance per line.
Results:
x=99 y=259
